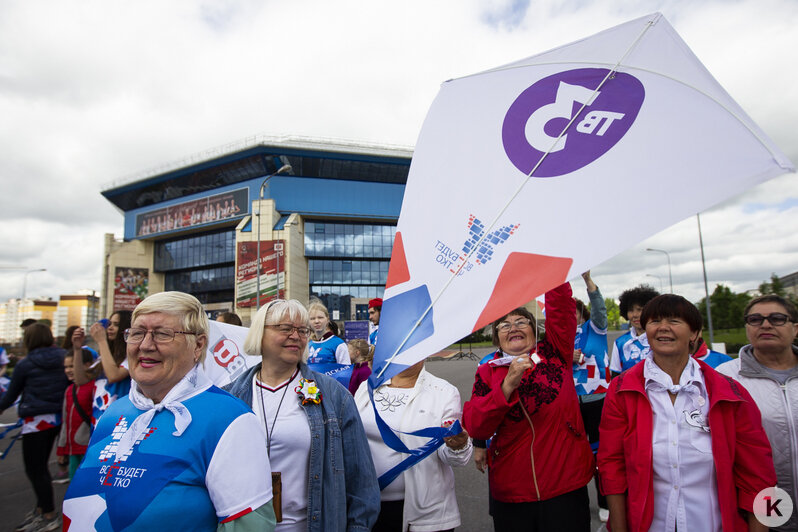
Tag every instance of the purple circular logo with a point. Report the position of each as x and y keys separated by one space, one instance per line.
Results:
x=542 y=111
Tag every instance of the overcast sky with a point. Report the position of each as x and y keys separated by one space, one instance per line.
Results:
x=94 y=91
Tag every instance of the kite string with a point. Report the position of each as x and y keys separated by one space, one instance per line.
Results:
x=514 y=195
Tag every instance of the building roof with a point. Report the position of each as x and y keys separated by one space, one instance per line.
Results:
x=260 y=156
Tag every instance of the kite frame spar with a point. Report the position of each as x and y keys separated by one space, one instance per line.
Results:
x=518 y=190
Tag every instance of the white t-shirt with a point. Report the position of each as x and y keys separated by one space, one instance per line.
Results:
x=290 y=446
x=391 y=404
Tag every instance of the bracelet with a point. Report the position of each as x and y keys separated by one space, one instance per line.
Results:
x=581 y=358
x=460 y=449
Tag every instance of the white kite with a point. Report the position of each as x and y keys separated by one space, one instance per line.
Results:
x=509 y=159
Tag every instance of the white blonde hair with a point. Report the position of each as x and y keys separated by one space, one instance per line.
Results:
x=273 y=313
x=184 y=306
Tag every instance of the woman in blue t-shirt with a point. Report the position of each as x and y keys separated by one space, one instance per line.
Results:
x=113 y=381
x=324 y=347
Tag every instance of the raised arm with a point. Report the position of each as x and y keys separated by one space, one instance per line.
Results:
x=78 y=339
x=598 y=309
x=113 y=372
x=561 y=320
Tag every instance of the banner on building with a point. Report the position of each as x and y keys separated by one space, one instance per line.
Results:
x=211 y=209
x=272 y=272
x=131 y=286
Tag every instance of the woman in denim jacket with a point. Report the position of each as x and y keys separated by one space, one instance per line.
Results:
x=310 y=420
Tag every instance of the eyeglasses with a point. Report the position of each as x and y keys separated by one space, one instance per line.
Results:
x=775 y=319
x=164 y=335
x=505 y=326
x=288 y=329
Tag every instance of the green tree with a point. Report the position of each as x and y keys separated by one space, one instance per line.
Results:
x=613 y=313
x=727 y=308
x=775 y=286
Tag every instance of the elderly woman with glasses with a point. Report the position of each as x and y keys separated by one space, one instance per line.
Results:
x=316 y=443
x=768 y=368
x=539 y=460
x=682 y=447
x=177 y=453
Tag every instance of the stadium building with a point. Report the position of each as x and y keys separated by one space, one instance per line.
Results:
x=325 y=223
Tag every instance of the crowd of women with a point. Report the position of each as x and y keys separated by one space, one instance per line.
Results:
x=673 y=443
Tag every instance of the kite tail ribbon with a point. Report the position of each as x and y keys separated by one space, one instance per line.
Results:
x=436 y=435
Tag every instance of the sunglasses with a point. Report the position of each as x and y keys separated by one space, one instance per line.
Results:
x=775 y=319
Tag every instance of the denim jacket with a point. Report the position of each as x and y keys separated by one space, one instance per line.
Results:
x=343 y=493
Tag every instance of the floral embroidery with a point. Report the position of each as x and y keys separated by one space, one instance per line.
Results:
x=541 y=386
x=481 y=389
x=390 y=402
x=308 y=392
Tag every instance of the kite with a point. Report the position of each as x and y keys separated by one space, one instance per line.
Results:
x=508 y=159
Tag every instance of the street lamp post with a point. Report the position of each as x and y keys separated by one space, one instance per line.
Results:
x=658 y=278
x=25 y=280
x=670 y=276
x=706 y=287
x=284 y=168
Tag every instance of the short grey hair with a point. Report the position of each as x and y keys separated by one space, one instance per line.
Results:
x=184 y=306
x=273 y=313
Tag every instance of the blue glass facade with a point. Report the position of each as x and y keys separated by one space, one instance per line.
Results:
x=349 y=240
x=347 y=260
x=202 y=265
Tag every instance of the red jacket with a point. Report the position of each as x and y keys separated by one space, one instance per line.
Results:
x=75 y=433
x=740 y=448
x=551 y=456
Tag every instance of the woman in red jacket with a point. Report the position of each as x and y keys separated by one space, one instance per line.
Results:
x=539 y=461
x=682 y=446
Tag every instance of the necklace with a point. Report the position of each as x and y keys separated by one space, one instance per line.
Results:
x=269 y=433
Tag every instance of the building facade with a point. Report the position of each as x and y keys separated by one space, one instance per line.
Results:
x=321 y=215
x=15 y=311
x=77 y=309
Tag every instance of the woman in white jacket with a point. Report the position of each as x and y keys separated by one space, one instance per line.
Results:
x=422 y=498
x=768 y=368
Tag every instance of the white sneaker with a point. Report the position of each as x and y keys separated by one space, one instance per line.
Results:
x=42 y=524
x=30 y=517
x=604 y=515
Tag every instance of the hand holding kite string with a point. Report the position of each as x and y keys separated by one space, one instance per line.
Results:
x=457 y=442
x=518 y=367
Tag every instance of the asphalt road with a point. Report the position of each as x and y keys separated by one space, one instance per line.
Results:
x=16 y=495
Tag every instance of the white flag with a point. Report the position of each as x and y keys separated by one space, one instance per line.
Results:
x=510 y=162
x=225 y=359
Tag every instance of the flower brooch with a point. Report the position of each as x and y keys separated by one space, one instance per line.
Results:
x=308 y=392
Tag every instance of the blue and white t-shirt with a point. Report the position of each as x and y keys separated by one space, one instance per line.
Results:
x=592 y=375
x=714 y=358
x=106 y=392
x=216 y=471
x=628 y=350
x=329 y=350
